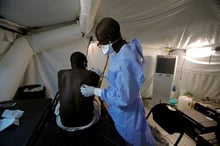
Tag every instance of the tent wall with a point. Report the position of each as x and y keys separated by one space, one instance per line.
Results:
x=6 y=39
x=52 y=52
x=177 y=25
x=13 y=66
x=169 y=23
x=202 y=80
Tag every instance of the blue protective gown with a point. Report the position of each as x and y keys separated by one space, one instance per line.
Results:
x=125 y=78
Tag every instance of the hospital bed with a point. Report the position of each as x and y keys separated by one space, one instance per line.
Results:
x=30 y=123
x=38 y=127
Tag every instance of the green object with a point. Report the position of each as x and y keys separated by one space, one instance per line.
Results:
x=173 y=101
x=189 y=94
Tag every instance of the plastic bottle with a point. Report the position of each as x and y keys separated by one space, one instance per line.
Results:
x=173 y=92
x=184 y=102
x=173 y=99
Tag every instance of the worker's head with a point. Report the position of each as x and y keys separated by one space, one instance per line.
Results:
x=108 y=34
x=78 y=60
x=107 y=31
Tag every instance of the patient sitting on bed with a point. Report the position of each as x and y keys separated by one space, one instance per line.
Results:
x=73 y=111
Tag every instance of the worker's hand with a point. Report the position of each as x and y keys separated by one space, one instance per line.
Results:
x=90 y=90
x=97 y=71
x=87 y=90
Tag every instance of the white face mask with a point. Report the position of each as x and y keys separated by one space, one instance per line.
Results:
x=107 y=49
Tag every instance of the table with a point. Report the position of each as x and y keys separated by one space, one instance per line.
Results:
x=197 y=123
x=208 y=139
x=33 y=118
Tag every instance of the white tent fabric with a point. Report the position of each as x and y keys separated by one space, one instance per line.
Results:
x=13 y=66
x=49 y=62
x=201 y=80
x=50 y=39
x=6 y=37
x=87 y=14
x=167 y=23
x=39 y=13
x=178 y=25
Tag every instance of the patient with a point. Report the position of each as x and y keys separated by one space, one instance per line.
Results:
x=74 y=112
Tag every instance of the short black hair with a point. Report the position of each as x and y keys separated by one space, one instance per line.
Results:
x=109 y=26
x=78 y=60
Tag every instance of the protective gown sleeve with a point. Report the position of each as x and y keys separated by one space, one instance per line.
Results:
x=129 y=90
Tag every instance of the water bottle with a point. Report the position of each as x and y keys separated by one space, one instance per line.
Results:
x=173 y=100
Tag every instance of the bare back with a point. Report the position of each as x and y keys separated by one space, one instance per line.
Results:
x=75 y=109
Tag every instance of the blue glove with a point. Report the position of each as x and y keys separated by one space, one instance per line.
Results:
x=97 y=71
x=88 y=91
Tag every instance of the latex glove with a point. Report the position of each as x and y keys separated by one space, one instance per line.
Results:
x=88 y=91
x=97 y=71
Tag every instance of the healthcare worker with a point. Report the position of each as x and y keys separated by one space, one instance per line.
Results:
x=125 y=78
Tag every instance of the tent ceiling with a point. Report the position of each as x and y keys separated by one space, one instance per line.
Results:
x=38 y=13
x=186 y=19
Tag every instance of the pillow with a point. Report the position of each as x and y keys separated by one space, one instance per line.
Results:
x=31 y=92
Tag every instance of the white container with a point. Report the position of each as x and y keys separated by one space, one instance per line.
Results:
x=184 y=102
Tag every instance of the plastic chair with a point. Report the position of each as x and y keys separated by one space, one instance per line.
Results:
x=169 y=119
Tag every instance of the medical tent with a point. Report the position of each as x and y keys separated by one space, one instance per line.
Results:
x=37 y=38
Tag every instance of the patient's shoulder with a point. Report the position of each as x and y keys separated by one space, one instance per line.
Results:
x=64 y=71
x=71 y=72
x=79 y=74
